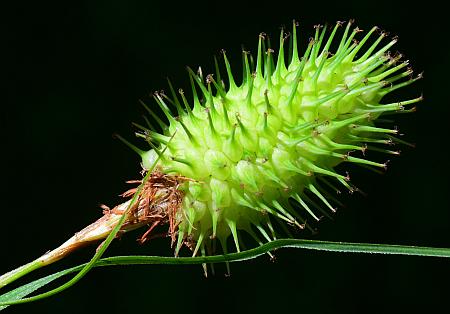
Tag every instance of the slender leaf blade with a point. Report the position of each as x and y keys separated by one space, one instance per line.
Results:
x=342 y=247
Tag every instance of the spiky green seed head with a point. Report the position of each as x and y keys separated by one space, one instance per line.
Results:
x=260 y=152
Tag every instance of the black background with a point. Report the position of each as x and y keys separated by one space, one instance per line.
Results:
x=73 y=75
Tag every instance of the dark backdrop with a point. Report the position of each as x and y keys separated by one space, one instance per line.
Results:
x=73 y=75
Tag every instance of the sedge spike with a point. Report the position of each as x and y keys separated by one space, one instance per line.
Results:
x=260 y=151
x=314 y=112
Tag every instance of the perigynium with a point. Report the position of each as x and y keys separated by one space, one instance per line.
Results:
x=259 y=157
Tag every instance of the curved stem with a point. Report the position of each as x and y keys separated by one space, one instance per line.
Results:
x=107 y=227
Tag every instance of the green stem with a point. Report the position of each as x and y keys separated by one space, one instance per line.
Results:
x=19 y=272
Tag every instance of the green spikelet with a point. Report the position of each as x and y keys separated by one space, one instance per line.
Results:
x=254 y=152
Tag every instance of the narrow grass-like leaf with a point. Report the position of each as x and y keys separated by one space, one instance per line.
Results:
x=15 y=296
